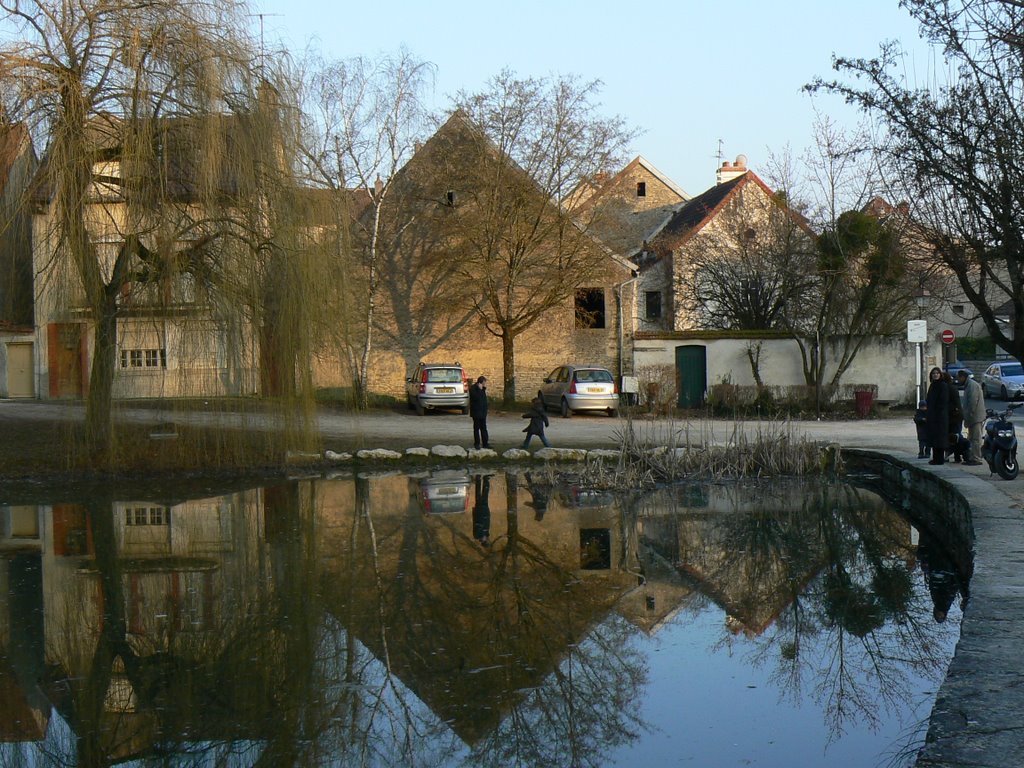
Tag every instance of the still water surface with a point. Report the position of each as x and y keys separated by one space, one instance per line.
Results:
x=450 y=619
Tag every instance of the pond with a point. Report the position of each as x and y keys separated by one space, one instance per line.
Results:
x=454 y=619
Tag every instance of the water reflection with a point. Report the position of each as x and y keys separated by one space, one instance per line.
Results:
x=441 y=619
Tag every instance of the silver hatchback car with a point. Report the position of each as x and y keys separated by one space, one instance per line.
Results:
x=437 y=385
x=580 y=388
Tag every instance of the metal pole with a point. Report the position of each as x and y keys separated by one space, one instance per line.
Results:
x=919 y=363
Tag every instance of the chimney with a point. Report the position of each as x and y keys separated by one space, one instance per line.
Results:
x=730 y=171
x=378 y=186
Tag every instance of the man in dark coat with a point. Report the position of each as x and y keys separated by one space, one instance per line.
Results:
x=956 y=416
x=478 y=410
x=937 y=418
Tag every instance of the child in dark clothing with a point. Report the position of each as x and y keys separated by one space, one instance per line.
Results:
x=538 y=420
x=923 y=444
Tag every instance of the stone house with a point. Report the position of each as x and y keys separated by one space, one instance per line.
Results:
x=432 y=308
x=171 y=339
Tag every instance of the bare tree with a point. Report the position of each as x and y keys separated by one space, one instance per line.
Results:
x=957 y=148
x=522 y=147
x=165 y=168
x=365 y=121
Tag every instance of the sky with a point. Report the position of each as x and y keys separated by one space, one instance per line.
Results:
x=701 y=80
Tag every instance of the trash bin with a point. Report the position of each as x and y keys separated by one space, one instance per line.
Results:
x=864 y=399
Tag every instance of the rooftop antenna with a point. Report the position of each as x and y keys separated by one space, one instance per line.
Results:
x=719 y=156
x=263 y=52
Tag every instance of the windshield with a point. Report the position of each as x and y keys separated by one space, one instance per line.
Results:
x=444 y=375
x=1013 y=370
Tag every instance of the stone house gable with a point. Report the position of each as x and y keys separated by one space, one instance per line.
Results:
x=631 y=205
x=717 y=218
x=428 y=217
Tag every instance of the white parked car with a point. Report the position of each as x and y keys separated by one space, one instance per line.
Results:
x=1003 y=380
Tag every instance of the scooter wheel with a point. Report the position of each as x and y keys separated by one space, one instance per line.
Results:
x=1006 y=465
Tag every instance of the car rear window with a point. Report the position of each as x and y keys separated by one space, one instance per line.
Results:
x=603 y=377
x=444 y=375
x=1013 y=370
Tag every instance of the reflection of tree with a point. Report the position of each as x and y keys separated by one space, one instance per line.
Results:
x=828 y=564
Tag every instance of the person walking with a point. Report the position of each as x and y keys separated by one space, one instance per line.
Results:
x=974 y=414
x=538 y=420
x=937 y=415
x=478 y=410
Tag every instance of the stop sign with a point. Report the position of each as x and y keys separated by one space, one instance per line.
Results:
x=948 y=337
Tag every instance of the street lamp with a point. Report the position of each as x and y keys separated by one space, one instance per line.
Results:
x=920 y=332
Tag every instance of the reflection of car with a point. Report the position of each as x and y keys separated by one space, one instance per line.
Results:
x=437 y=386
x=1005 y=380
x=445 y=491
x=580 y=388
x=571 y=495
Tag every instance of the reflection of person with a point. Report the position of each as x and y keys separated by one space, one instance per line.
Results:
x=482 y=510
x=937 y=418
x=540 y=497
x=940 y=575
x=538 y=420
x=478 y=410
x=920 y=419
x=974 y=414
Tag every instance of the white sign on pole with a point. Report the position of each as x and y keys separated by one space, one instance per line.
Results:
x=917 y=331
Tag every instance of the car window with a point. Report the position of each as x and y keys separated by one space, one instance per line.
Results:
x=594 y=375
x=553 y=375
x=993 y=370
x=1013 y=369
x=444 y=375
x=563 y=374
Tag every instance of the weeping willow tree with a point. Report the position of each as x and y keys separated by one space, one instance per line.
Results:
x=168 y=248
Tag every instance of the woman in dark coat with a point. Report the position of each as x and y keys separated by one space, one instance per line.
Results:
x=538 y=420
x=937 y=418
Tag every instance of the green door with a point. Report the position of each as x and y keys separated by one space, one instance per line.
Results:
x=691 y=375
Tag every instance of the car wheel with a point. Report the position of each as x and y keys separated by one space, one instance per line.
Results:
x=1003 y=394
x=408 y=402
x=566 y=411
x=464 y=409
x=612 y=412
x=419 y=408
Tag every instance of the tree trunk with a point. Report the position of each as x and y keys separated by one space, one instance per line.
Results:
x=508 y=367
x=101 y=385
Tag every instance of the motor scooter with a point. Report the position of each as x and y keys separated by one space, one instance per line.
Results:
x=999 y=445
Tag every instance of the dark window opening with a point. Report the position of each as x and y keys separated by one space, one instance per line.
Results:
x=652 y=305
x=590 y=308
x=449 y=197
x=595 y=549
x=641 y=189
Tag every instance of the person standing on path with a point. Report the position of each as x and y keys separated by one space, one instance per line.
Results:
x=974 y=414
x=937 y=419
x=478 y=410
x=956 y=416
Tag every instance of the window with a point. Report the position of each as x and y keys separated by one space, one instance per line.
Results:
x=449 y=197
x=641 y=189
x=652 y=305
x=590 y=308
x=147 y=516
x=144 y=358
